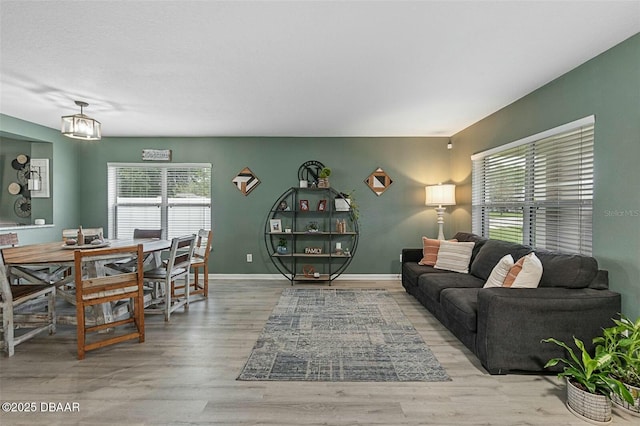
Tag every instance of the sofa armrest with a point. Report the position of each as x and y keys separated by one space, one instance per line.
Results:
x=512 y=323
x=411 y=255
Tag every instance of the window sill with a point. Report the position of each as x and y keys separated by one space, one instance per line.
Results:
x=20 y=227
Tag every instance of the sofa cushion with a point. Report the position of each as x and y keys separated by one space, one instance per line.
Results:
x=526 y=273
x=432 y=284
x=461 y=304
x=454 y=256
x=567 y=270
x=491 y=253
x=412 y=271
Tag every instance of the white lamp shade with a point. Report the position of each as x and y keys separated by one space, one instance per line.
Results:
x=440 y=195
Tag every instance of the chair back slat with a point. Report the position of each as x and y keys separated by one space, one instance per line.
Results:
x=180 y=253
x=203 y=245
x=147 y=233
x=5 y=289
x=9 y=240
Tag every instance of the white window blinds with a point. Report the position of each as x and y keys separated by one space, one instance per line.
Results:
x=538 y=191
x=175 y=198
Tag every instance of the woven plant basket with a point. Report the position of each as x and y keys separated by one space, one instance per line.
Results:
x=633 y=409
x=593 y=408
x=323 y=183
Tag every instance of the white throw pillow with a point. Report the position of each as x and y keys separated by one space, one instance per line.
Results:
x=454 y=256
x=529 y=274
x=499 y=272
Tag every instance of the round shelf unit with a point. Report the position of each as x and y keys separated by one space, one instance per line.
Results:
x=320 y=240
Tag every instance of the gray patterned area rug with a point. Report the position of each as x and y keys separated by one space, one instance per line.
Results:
x=341 y=335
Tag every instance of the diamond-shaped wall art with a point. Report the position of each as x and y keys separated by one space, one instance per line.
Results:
x=246 y=181
x=378 y=181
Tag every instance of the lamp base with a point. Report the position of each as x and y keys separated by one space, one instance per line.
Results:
x=440 y=212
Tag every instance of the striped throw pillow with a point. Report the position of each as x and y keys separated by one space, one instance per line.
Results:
x=526 y=273
x=430 y=249
x=453 y=256
x=500 y=272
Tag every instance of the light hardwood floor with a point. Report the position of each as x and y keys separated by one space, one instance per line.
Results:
x=185 y=374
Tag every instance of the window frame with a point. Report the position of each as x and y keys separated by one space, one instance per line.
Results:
x=546 y=195
x=164 y=203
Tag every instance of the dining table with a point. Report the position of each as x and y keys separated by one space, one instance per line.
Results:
x=60 y=256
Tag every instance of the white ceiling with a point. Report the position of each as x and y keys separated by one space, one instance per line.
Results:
x=292 y=68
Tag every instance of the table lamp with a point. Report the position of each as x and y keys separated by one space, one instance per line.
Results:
x=440 y=195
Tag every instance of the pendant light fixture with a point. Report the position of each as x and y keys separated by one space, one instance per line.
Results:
x=80 y=126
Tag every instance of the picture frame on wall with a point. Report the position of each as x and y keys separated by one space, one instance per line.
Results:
x=322 y=205
x=304 y=205
x=275 y=225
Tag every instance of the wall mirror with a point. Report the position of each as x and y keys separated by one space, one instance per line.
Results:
x=25 y=187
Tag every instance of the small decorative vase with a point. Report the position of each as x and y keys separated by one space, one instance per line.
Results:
x=621 y=403
x=590 y=407
x=281 y=250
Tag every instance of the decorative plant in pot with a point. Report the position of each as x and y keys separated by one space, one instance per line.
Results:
x=312 y=227
x=622 y=341
x=282 y=246
x=589 y=381
x=323 y=177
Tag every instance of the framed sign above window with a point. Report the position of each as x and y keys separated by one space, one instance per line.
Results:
x=156 y=155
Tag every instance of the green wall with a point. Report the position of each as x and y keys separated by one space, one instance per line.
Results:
x=62 y=154
x=609 y=87
x=388 y=223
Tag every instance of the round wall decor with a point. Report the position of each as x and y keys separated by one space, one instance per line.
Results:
x=23 y=174
x=14 y=188
x=22 y=159
x=22 y=207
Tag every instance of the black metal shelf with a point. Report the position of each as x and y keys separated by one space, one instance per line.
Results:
x=330 y=263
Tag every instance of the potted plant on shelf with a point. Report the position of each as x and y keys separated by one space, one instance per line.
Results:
x=589 y=381
x=323 y=177
x=622 y=341
x=312 y=227
x=282 y=246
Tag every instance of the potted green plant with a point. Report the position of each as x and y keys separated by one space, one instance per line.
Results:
x=282 y=246
x=589 y=381
x=312 y=227
x=323 y=177
x=622 y=341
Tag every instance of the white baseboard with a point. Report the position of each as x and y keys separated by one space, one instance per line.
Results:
x=343 y=277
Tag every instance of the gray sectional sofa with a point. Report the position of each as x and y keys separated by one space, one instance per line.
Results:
x=504 y=327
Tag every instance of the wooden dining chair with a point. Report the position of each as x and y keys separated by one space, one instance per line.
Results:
x=199 y=260
x=159 y=282
x=93 y=288
x=24 y=306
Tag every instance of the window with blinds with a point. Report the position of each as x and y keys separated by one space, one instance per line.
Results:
x=172 y=197
x=538 y=191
